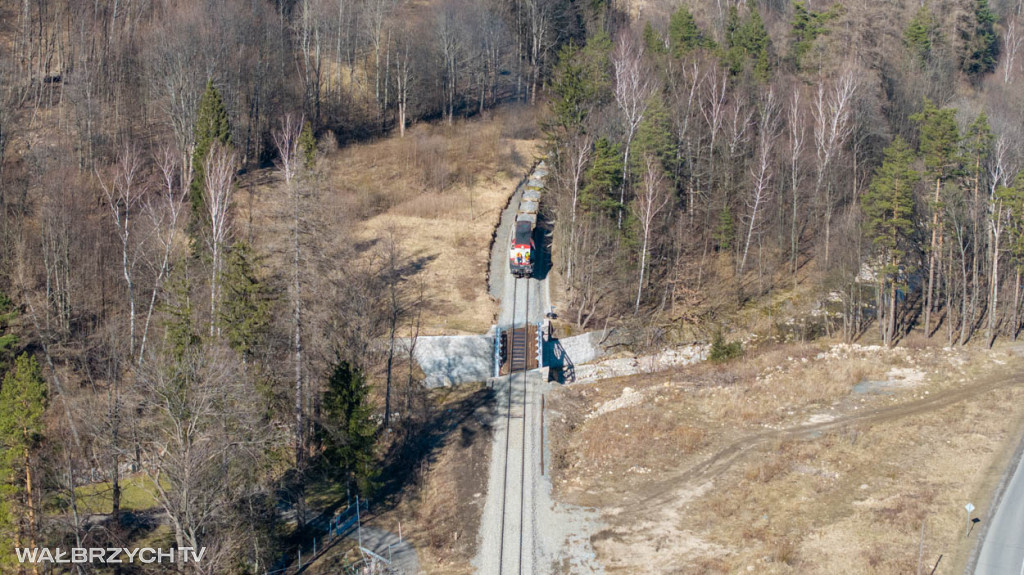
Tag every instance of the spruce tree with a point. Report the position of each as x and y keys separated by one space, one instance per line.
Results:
x=181 y=335
x=573 y=91
x=652 y=40
x=725 y=230
x=918 y=35
x=980 y=46
x=888 y=208
x=602 y=178
x=211 y=126
x=654 y=136
x=684 y=35
x=245 y=312
x=807 y=27
x=347 y=430
x=307 y=143
x=734 y=50
x=747 y=40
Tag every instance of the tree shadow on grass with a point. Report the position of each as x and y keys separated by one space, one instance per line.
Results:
x=468 y=419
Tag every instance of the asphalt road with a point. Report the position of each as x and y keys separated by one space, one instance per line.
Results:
x=1002 y=551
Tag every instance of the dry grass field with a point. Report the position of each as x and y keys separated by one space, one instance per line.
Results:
x=779 y=462
x=438 y=193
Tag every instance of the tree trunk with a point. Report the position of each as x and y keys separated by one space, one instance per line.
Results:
x=297 y=345
x=30 y=503
x=643 y=263
x=993 y=306
x=1016 y=303
x=890 y=335
x=931 y=264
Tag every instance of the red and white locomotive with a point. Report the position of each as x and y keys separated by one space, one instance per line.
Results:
x=522 y=251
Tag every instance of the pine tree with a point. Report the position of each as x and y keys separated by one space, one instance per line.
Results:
x=22 y=405
x=888 y=207
x=8 y=340
x=8 y=523
x=347 y=430
x=245 y=312
x=602 y=178
x=938 y=140
x=211 y=126
x=1012 y=197
x=980 y=48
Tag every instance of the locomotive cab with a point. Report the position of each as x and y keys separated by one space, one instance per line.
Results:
x=521 y=251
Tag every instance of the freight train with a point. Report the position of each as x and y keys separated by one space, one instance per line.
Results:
x=522 y=252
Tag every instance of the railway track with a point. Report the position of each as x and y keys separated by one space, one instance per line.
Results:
x=513 y=507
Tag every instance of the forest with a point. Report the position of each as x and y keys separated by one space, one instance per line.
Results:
x=162 y=339
x=718 y=158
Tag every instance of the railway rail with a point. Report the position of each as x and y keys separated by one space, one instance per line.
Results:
x=516 y=418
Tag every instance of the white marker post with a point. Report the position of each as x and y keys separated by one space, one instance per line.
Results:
x=969 y=507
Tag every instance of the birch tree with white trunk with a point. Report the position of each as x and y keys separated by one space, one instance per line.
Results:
x=220 y=182
x=164 y=210
x=633 y=87
x=1012 y=41
x=832 y=110
x=124 y=193
x=578 y=152
x=651 y=198
x=797 y=141
x=286 y=140
x=762 y=172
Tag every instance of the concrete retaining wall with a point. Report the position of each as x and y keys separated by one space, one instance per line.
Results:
x=452 y=360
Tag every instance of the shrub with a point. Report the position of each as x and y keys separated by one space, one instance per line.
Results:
x=722 y=350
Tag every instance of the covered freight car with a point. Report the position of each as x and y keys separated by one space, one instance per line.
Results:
x=522 y=252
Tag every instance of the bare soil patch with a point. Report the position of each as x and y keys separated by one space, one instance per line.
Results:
x=774 y=464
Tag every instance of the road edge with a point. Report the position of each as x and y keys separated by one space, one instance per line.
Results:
x=997 y=498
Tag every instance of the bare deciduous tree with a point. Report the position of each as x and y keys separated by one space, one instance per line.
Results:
x=762 y=172
x=633 y=87
x=165 y=214
x=797 y=141
x=578 y=152
x=650 y=200
x=220 y=177
x=831 y=108
x=1012 y=42
x=286 y=140
x=123 y=194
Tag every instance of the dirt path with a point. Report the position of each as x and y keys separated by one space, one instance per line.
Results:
x=724 y=459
